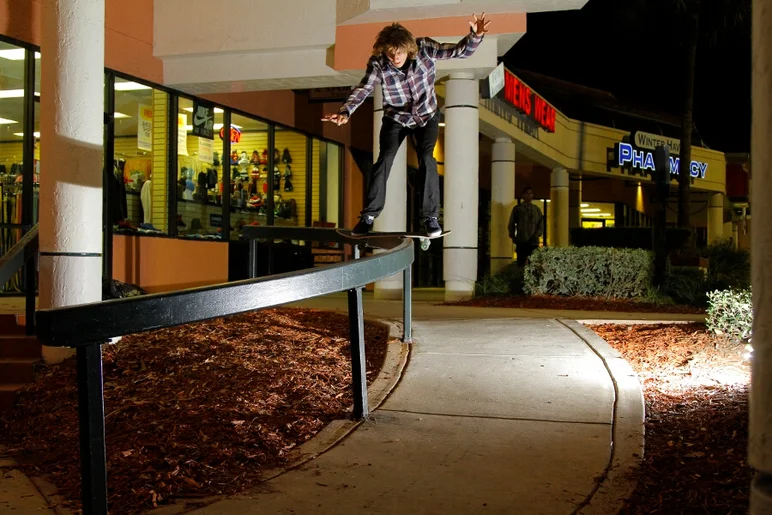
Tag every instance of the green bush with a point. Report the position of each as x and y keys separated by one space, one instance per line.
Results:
x=507 y=281
x=730 y=314
x=686 y=285
x=589 y=272
x=729 y=268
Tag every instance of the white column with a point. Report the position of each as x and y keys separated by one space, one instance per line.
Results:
x=575 y=203
x=502 y=201
x=71 y=119
x=394 y=214
x=558 y=219
x=715 y=217
x=760 y=429
x=461 y=185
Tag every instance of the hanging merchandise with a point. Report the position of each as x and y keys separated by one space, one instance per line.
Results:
x=285 y=157
x=276 y=156
x=264 y=157
x=276 y=179
x=255 y=160
x=287 y=178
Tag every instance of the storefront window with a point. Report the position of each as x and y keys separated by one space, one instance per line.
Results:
x=199 y=174
x=290 y=178
x=137 y=194
x=325 y=191
x=13 y=99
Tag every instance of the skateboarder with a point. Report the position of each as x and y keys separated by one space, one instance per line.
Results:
x=404 y=66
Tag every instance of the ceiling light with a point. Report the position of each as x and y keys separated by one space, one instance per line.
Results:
x=11 y=93
x=6 y=121
x=16 y=54
x=217 y=110
x=129 y=86
x=584 y=205
x=21 y=134
x=120 y=115
x=590 y=210
x=442 y=124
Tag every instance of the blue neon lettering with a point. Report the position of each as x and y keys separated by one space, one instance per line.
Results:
x=625 y=153
x=648 y=164
x=638 y=158
x=674 y=164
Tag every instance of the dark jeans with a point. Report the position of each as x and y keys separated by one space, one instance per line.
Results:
x=391 y=137
x=524 y=251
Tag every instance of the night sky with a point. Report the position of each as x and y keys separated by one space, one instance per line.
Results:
x=606 y=46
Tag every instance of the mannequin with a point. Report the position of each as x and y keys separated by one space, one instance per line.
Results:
x=145 y=198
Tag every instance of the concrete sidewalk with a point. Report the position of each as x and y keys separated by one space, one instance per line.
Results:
x=495 y=411
x=492 y=415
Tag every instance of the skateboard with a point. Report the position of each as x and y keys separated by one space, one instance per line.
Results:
x=422 y=237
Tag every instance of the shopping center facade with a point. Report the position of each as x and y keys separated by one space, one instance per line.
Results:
x=211 y=124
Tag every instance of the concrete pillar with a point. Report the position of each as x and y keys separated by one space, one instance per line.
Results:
x=394 y=214
x=558 y=219
x=502 y=202
x=461 y=185
x=575 y=203
x=72 y=125
x=760 y=428
x=715 y=217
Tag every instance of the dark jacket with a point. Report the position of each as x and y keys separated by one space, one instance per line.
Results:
x=526 y=223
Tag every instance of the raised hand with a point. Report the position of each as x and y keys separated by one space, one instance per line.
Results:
x=340 y=119
x=479 y=25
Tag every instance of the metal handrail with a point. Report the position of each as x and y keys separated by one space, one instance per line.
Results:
x=86 y=327
x=24 y=253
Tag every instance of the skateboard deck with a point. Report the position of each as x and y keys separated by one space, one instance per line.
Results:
x=421 y=236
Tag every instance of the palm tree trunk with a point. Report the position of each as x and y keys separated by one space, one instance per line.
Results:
x=687 y=123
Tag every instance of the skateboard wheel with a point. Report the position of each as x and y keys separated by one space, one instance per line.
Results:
x=425 y=243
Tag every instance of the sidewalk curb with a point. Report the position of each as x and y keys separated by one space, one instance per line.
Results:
x=628 y=427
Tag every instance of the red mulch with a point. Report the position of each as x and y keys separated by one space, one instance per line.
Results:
x=574 y=303
x=696 y=392
x=198 y=410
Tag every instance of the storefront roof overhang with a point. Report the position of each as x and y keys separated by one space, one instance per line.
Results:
x=316 y=43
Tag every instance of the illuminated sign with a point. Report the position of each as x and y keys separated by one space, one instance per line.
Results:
x=651 y=141
x=641 y=162
x=235 y=134
x=529 y=103
x=494 y=83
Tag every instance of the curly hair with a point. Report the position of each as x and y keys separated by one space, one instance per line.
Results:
x=395 y=37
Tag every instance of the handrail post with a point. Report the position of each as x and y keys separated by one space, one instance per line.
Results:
x=407 y=305
x=91 y=414
x=358 y=367
x=30 y=272
x=252 y=260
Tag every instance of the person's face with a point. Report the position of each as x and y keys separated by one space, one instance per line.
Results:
x=528 y=196
x=397 y=57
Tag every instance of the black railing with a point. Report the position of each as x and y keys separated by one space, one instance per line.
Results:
x=24 y=254
x=86 y=327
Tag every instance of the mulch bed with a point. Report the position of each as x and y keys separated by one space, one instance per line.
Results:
x=696 y=393
x=198 y=410
x=574 y=303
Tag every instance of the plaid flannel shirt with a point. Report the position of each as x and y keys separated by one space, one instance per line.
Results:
x=408 y=97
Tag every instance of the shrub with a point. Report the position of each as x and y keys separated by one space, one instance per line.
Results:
x=686 y=285
x=589 y=272
x=507 y=281
x=729 y=268
x=730 y=314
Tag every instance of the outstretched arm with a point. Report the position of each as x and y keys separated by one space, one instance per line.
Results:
x=462 y=49
x=358 y=95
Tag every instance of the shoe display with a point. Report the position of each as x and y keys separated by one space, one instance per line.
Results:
x=363 y=226
x=432 y=226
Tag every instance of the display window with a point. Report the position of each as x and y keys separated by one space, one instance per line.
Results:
x=19 y=147
x=137 y=185
x=201 y=164
x=326 y=184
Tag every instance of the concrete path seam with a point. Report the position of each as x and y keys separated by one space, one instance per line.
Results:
x=493 y=417
x=614 y=485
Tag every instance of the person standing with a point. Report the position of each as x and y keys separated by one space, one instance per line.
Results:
x=526 y=225
x=404 y=66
